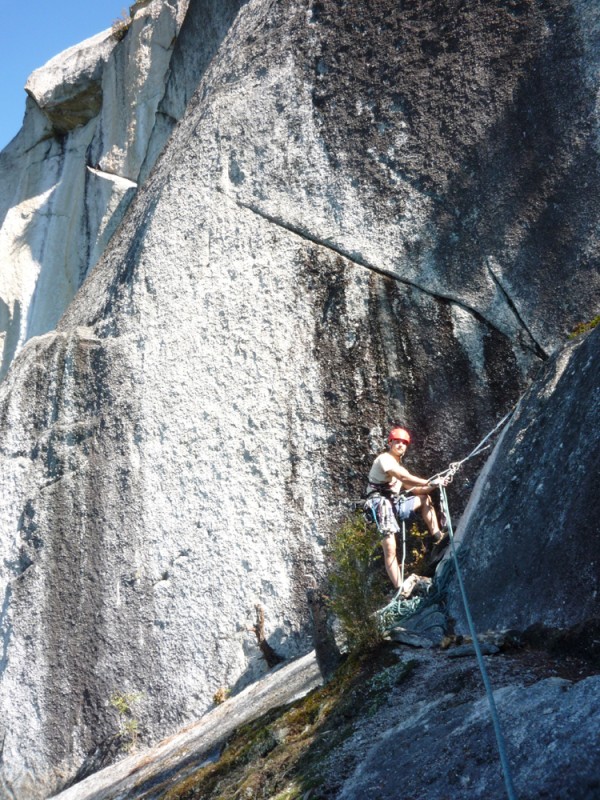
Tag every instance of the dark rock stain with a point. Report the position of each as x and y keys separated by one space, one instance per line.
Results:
x=85 y=554
x=486 y=109
x=401 y=363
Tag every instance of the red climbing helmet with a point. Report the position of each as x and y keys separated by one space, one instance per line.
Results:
x=399 y=434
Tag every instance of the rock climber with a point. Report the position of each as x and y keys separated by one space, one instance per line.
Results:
x=388 y=479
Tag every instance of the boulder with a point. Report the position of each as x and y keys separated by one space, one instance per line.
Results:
x=68 y=88
x=441 y=745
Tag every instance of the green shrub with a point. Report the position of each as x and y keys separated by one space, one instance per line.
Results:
x=121 y=25
x=584 y=327
x=129 y=728
x=416 y=551
x=357 y=581
x=221 y=695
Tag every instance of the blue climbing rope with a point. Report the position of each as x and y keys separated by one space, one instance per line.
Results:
x=508 y=782
x=456 y=465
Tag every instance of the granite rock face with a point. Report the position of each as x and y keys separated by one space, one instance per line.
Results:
x=532 y=523
x=432 y=735
x=441 y=744
x=97 y=118
x=68 y=89
x=364 y=216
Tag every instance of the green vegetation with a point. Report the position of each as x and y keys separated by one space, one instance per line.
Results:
x=416 y=549
x=221 y=695
x=282 y=755
x=383 y=682
x=584 y=327
x=121 y=25
x=357 y=581
x=129 y=727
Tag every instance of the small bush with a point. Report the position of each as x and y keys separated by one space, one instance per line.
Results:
x=129 y=728
x=584 y=327
x=416 y=551
x=121 y=25
x=357 y=582
x=221 y=695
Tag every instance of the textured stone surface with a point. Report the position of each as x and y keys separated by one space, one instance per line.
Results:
x=363 y=217
x=437 y=740
x=432 y=737
x=68 y=88
x=151 y=773
x=533 y=520
x=97 y=118
x=469 y=650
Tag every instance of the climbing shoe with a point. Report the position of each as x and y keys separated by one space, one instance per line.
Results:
x=441 y=540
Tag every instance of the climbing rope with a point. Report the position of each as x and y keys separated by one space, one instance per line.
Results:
x=400 y=608
x=450 y=473
x=403 y=554
x=456 y=465
x=508 y=782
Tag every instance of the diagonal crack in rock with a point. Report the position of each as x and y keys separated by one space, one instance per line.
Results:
x=357 y=259
x=513 y=307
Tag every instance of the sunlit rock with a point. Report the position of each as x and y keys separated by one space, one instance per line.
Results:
x=378 y=216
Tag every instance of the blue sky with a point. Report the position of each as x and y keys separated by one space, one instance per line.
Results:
x=31 y=33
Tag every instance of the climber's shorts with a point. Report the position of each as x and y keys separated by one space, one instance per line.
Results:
x=388 y=513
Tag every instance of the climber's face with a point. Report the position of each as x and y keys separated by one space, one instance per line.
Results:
x=398 y=447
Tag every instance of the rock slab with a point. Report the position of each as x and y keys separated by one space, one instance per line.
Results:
x=531 y=526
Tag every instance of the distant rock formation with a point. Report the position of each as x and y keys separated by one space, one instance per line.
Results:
x=98 y=116
x=368 y=213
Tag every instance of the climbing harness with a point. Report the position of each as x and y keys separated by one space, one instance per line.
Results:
x=376 y=521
